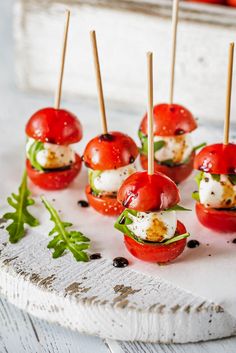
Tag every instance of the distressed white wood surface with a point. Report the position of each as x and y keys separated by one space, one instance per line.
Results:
x=22 y=333
x=125 y=31
x=15 y=111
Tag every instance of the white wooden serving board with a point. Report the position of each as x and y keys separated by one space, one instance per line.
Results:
x=190 y=300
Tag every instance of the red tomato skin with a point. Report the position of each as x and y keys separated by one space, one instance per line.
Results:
x=107 y=206
x=54 y=180
x=178 y=173
x=220 y=221
x=156 y=252
x=217 y=159
x=144 y=193
x=231 y=3
x=104 y=154
x=56 y=126
x=170 y=120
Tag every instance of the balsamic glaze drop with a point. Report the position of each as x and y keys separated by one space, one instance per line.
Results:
x=95 y=256
x=120 y=262
x=234 y=241
x=193 y=244
x=83 y=203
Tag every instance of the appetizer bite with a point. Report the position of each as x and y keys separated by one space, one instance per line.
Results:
x=51 y=162
x=149 y=222
x=173 y=124
x=216 y=197
x=109 y=156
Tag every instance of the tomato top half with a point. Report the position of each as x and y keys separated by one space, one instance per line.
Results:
x=170 y=120
x=110 y=151
x=217 y=159
x=145 y=193
x=57 y=126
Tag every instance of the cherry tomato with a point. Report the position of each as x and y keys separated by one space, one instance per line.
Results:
x=54 y=180
x=231 y=3
x=177 y=173
x=170 y=120
x=217 y=159
x=56 y=126
x=110 y=151
x=105 y=205
x=144 y=193
x=157 y=252
x=218 y=220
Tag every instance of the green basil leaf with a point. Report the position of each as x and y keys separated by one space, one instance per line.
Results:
x=203 y=144
x=198 y=178
x=176 y=238
x=215 y=177
x=177 y=208
x=35 y=148
x=232 y=178
x=195 y=196
x=144 y=140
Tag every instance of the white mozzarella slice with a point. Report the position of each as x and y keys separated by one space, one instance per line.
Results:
x=111 y=180
x=55 y=156
x=176 y=148
x=154 y=226
x=217 y=194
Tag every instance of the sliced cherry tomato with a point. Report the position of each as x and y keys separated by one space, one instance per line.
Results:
x=157 y=252
x=105 y=205
x=217 y=159
x=218 y=220
x=110 y=151
x=56 y=126
x=170 y=120
x=54 y=180
x=177 y=173
x=144 y=193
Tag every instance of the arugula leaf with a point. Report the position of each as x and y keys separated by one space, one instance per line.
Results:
x=195 y=196
x=144 y=140
x=73 y=241
x=203 y=144
x=32 y=153
x=177 y=208
x=21 y=215
x=232 y=178
x=215 y=177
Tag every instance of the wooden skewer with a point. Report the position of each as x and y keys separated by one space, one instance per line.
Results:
x=99 y=82
x=63 y=56
x=228 y=93
x=150 y=114
x=173 y=47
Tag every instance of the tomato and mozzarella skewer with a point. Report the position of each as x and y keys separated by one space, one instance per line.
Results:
x=173 y=124
x=110 y=157
x=149 y=222
x=216 y=197
x=51 y=162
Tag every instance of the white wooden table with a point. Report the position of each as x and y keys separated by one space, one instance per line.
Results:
x=20 y=332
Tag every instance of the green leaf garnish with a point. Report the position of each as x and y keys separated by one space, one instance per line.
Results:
x=124 y=220
x=215 y=177
x=195 y=196
x=21 y=215
x=73 y=241
x=92 y=174
x=32 y=154
x=232 y=178
x=177 y=208
x=203 y=144
x=198 y=178
x=144 y=140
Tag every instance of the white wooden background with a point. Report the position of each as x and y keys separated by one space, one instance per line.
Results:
x=20 y=332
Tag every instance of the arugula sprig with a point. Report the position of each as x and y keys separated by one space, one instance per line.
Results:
x=21 y=216
x=63 y=240
x=126 y=218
